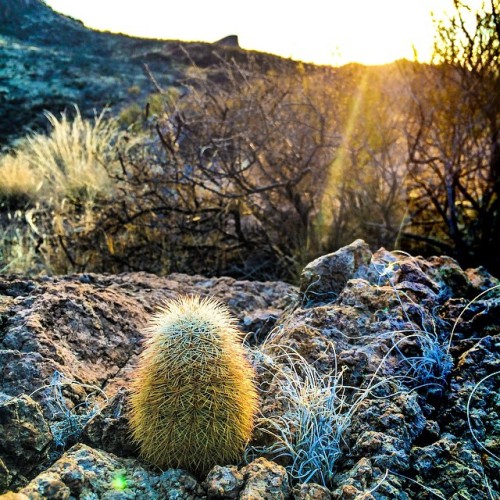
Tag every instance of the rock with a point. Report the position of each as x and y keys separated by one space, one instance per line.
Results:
x=350 y=492
x=228 y=41
x=386 y=452
x=357 y=479
x=451 y=467
x=311 y=491
x=5 y=476
x=366 y=298
x=24 y=437
x=177 y=483
x=389 y=328
x=414 y=270
x=13 y=496
x=109 y=430
x=63 y=327
x=224 y=482
x=324 y=278
x=264 y=480
x=481 y=280
x=91 y=332
x=399 y=416
x=259 y=323
x=83 y=472
x=50 y=486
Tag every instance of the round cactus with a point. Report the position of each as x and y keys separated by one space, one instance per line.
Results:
x=193 y=398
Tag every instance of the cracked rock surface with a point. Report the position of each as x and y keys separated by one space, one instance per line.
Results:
x=416 y=395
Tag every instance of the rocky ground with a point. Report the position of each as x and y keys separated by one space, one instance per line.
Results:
x=415 y=368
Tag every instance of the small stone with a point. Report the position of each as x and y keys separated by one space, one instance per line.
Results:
x=264 y=480
x=24 y=434
x=453 y=280
x=177 y=483
x=359 y=476
x=259 y=323
x=349 y=492
x=50 y=487
x=311 y=491
x=10 y=495
x=482 y=280
x=109 y=430
x=224 y=482
x=387 y=452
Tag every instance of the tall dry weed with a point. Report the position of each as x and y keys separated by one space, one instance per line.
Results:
x=72 y=161
x=19 y=184
x=74 y=158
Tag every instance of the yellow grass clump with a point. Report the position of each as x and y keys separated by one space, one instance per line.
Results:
x=193 y=399
x=73 y=161
x=73 y=158
x=19 y=183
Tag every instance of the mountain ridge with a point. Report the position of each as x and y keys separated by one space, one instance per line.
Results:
x=50 y=62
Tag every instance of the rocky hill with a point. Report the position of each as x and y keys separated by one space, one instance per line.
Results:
x=409 y=351
x=49 y=62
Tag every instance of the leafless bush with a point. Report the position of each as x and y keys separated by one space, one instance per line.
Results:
x=454 y=140
x=228 y=181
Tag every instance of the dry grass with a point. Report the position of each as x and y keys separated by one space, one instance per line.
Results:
x=69 y=170
x=73 y=159
x=18 y=243
x=19 y=183
x=70 y=162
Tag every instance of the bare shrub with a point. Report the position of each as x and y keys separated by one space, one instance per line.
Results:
x=454 y=140
x=227 y=182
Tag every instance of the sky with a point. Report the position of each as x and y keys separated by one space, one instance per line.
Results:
x=321 y=31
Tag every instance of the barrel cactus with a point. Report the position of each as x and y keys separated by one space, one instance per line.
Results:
x=193 y=398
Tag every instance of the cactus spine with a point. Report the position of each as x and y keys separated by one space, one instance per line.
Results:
x=193 y=398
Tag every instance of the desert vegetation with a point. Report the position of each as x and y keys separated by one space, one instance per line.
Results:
x=376 y=377
x=251 y=172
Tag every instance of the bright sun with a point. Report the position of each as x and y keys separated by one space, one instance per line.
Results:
x=321 y=31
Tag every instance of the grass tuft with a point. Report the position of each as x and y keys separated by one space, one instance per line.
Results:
x=20 y=184
x=434 y=363
x=315 y=411
x=308 y=435
x=72 y=161
x=67 y=422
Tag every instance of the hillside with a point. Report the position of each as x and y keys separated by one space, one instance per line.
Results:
x=49 y=62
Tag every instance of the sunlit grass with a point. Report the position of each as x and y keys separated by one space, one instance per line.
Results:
x=47 y=177
x=20 y=184
x=72 y=161
x=308 y=433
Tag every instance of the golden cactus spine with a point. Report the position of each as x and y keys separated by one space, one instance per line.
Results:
x=193 y=398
